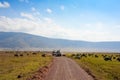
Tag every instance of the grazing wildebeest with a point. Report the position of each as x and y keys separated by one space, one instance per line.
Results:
x=96 y=56
x=34 y=53
x=118 y=58
x=16 y=55
x=108 y=58
x=43 y=55
x=21 y=54
x=114 y=57
x=83 y=55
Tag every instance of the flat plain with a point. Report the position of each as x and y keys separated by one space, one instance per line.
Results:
x=21 y=65
x=102 y=66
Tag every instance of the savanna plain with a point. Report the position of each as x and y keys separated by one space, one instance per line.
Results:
x=21 y=65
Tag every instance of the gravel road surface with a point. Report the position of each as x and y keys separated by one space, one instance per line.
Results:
x=66 y=69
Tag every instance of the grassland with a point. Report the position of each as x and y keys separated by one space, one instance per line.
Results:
x=98 y=67
x=12 y=66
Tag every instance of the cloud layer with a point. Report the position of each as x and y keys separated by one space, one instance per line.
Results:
x=31 y=24
x=62 y=7
x=27 y=1
x=68 y=24
x=46 y=26
x=4 y=5
x=49 y=10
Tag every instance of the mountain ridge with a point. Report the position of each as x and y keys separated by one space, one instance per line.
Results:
x=24 y=40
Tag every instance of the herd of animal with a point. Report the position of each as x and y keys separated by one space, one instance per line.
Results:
x=106 y=57
x=57 y=53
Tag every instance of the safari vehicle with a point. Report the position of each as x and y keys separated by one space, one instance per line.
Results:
x=56 y=53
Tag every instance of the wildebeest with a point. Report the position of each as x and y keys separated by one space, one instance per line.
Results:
x=43 y=55
x=21 y=54
x=84 y=55
x=108 y=58
x=16 y=55
x=34 y=53
x=114 y=57
x=118 y=59
x=19 y=76
x=96 y=56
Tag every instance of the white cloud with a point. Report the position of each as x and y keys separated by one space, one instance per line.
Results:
x=62 y=7
x=38 y=26
x=33 y=9
x=15 y=24
x=26 y=15
x=48 y=20
x=49 y=10
x=4 y=5
x=46 y=26
x=27 y=1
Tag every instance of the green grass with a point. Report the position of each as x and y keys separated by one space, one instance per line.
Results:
x=11 y=66
x=101 y=69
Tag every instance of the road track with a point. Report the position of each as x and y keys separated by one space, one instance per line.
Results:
x=66 y=69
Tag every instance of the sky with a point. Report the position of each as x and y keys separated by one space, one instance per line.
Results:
x=89 y=20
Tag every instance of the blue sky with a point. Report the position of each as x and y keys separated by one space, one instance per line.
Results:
x=90 y=20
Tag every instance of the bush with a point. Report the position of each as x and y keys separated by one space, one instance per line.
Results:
x=72 y=55
x=77 y=57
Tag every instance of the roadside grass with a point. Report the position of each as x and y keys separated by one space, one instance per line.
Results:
x=99 y=68
x=11 y=66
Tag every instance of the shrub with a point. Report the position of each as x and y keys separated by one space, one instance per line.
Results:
x=77 y=57
x=72 y=55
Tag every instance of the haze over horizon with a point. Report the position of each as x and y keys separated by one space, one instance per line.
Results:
x=89 y=20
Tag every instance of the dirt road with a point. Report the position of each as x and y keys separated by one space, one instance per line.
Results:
x=66 y=69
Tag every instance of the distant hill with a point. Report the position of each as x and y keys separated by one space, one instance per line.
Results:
x=16 y=40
